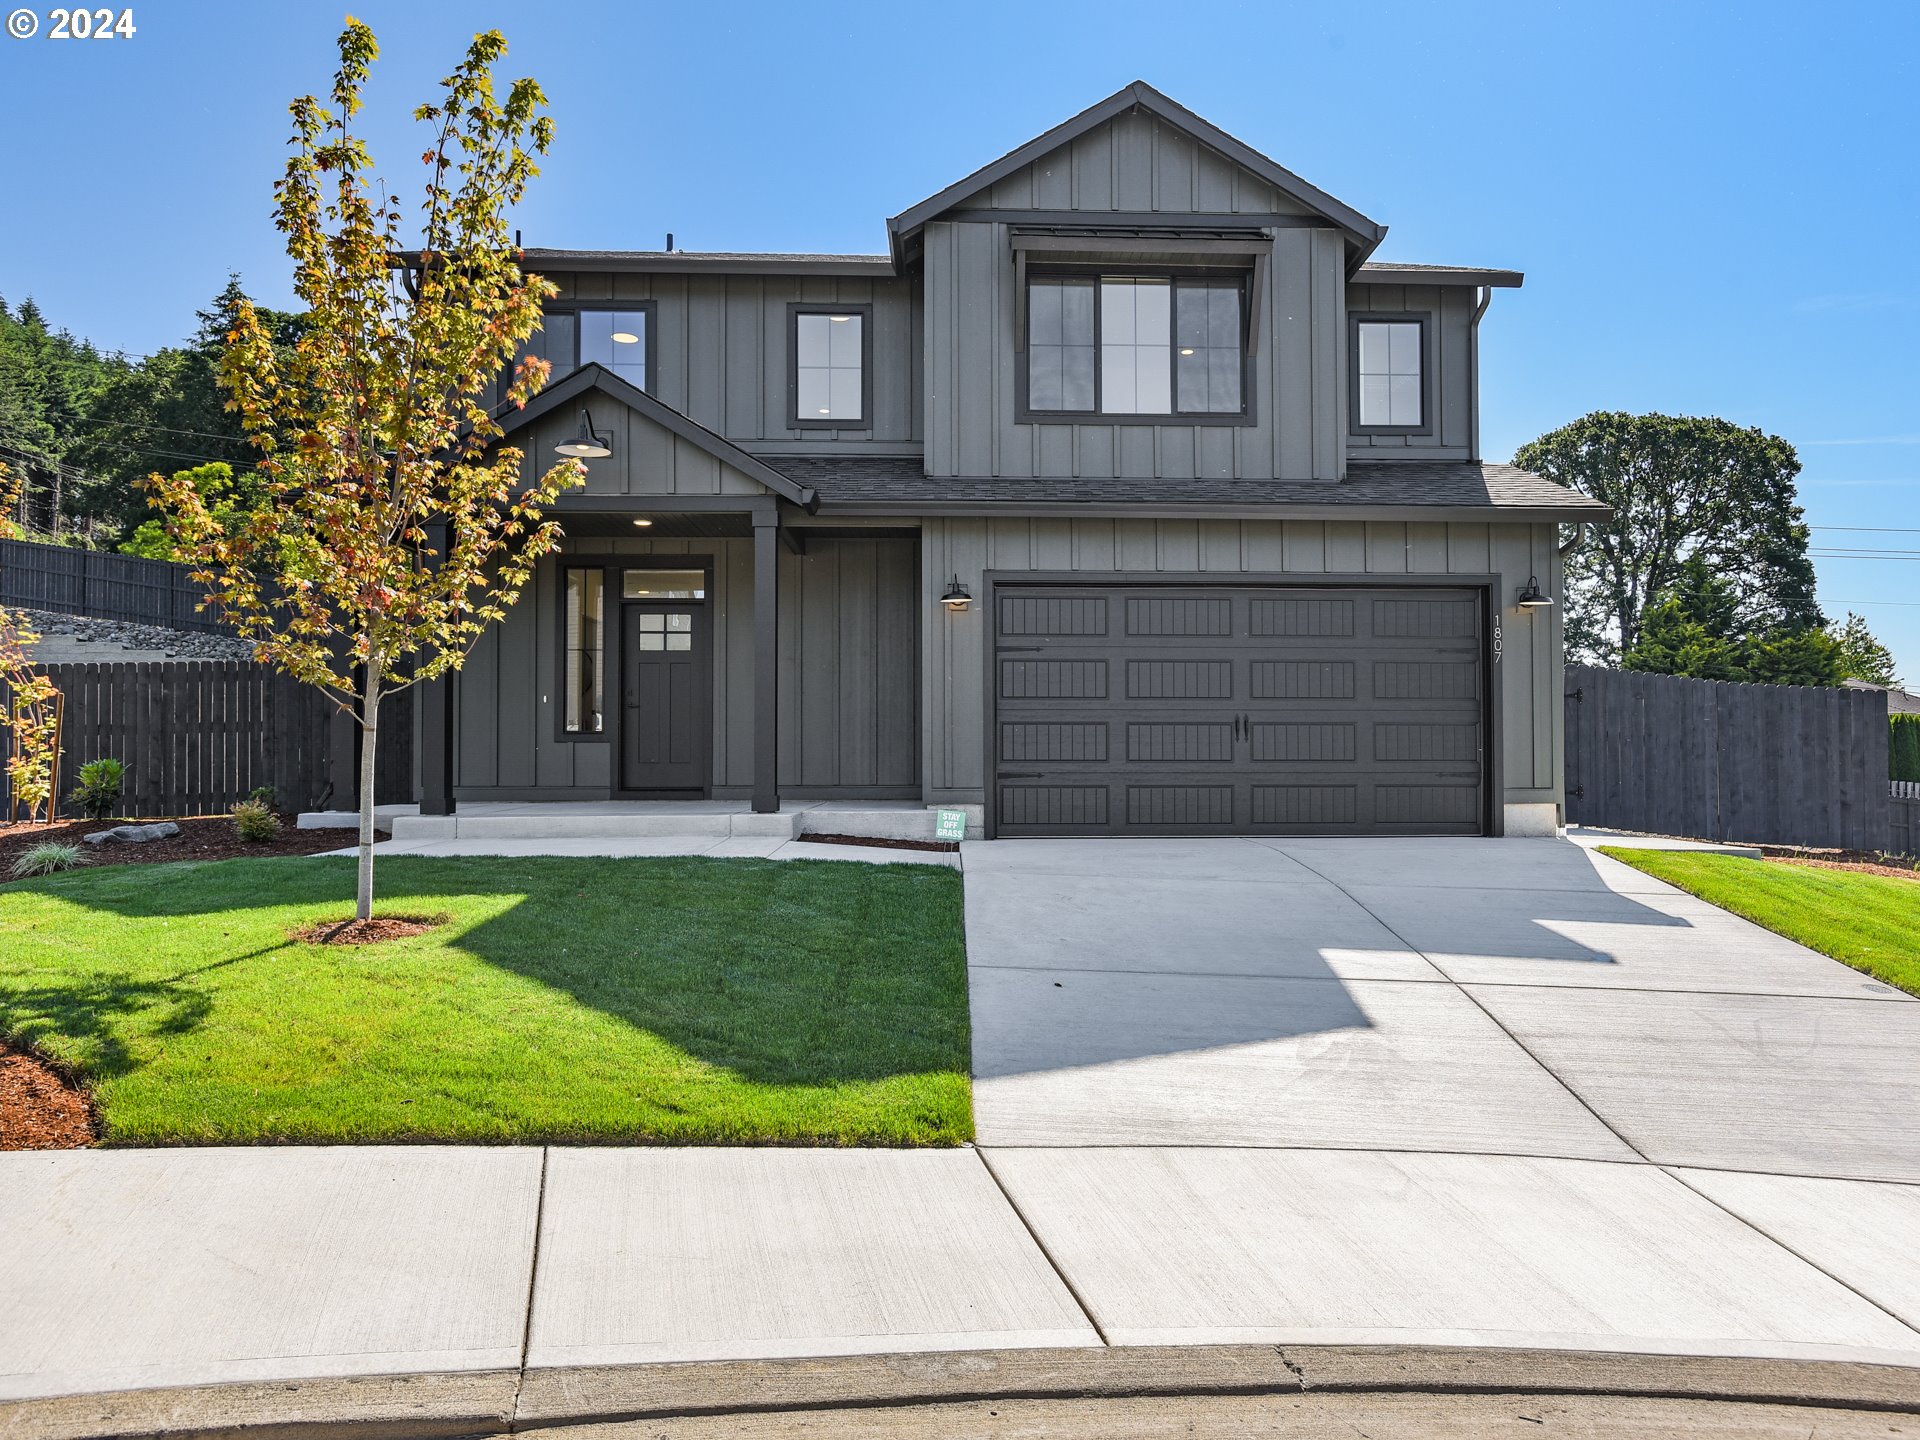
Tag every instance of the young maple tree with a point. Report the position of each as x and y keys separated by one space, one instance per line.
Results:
x=33 y=704
x=378 y=422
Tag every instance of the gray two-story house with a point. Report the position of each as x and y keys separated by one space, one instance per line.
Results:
x=1124 y=495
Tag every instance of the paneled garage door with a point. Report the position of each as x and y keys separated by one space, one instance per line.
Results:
x=1153 y=710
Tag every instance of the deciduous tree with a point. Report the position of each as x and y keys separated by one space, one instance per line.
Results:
x=32 y=714
x=377 y=424
x=1681 y=488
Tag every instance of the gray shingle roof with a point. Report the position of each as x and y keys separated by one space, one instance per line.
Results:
x=897 y=482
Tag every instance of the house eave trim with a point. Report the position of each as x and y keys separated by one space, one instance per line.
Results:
x=593 y=377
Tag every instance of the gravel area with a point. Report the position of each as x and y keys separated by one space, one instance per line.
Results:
x=123 y=634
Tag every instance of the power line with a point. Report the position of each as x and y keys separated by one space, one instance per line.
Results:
x=169 y=429
x=1897 y=604
x=1874 y=529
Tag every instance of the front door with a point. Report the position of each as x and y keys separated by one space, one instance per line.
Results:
x=665 y=726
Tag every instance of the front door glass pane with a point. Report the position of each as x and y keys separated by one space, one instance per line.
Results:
x=663 y=585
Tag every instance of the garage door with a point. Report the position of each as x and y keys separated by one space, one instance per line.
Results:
x=1136 y=710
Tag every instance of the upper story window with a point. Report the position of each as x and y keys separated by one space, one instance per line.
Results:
x=616 y=339
x=1136 y=345
x=1390 y=372
x=621 y=340
x=832 y=379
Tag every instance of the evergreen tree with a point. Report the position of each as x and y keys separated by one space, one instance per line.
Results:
x=1862 y=656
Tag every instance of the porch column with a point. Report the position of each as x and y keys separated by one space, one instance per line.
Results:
x=766 y=661
x=433 y=713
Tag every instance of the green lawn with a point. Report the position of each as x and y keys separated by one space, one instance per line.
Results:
x=1871 y=922
x=671 y=1000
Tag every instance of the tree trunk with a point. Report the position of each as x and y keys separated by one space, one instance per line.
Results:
x=369 y=737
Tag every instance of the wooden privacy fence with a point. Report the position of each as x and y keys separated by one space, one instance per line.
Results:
x=1763 y=764
x=103 y=585
x=1905 y=820
x=198 y=735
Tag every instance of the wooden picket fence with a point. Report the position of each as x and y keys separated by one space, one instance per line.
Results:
x=198 y=735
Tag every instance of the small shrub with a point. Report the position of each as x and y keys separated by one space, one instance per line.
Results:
x=255 y=822
x=47 y=858
x=101 y=781
x=262 y=795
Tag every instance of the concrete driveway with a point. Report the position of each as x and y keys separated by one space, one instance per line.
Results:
x=1439 y=1091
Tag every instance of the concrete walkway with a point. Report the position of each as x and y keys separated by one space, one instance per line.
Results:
x=1475 y=1094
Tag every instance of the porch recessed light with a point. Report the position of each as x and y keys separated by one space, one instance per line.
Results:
x=642 y=521
x=625 y=337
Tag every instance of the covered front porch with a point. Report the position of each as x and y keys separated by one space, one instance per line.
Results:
x=700 y=638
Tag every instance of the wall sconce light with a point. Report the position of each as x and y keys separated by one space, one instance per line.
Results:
x=957 y=597
x=1530 y=597
x=587 y=444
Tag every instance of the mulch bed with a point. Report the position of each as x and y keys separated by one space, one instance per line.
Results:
x=40 y=1108
x=878 y=843
x=201 y=837
x=1866 y=862
x=365 y=932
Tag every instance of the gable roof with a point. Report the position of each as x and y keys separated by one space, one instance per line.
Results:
x=592 y=378
x=1363 y=235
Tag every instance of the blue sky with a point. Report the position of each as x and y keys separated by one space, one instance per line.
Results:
x=1716 y=215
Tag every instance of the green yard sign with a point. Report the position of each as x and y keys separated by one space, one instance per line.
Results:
x=949 y=824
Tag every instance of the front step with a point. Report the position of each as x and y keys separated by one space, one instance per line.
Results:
x=896 y=822
x=668 y=826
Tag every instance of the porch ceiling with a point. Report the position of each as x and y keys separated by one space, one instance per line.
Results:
x=587 y=525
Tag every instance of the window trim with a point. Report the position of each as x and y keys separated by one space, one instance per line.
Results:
x=613 y=629
x=1424 y=319
x=1025 y=414
x=651 y=343
x=797 y=421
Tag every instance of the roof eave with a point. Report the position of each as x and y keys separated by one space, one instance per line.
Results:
x=1175 y=510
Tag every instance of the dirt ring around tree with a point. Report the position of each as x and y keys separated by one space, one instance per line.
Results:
x=368 y=932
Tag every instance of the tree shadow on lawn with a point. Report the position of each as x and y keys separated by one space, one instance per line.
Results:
x=787 y=973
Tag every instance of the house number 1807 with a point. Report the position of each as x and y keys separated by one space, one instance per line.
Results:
x=1496 y=642
x=90 y=25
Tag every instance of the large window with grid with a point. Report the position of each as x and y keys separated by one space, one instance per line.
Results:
x=1151 y=346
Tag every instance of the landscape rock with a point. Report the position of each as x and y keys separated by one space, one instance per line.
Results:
x=113 y=635
x=133 y=834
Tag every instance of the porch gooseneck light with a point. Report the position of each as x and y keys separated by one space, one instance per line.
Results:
x=587 y=444
x=1530 y=597
x=957 y=597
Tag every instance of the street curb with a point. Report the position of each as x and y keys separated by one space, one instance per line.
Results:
x=445 y=1406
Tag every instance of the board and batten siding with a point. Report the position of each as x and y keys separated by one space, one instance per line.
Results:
x=954 y=703
x=1133 y=164
x=720 y=350
x=849 y=678
x=1450 y=386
